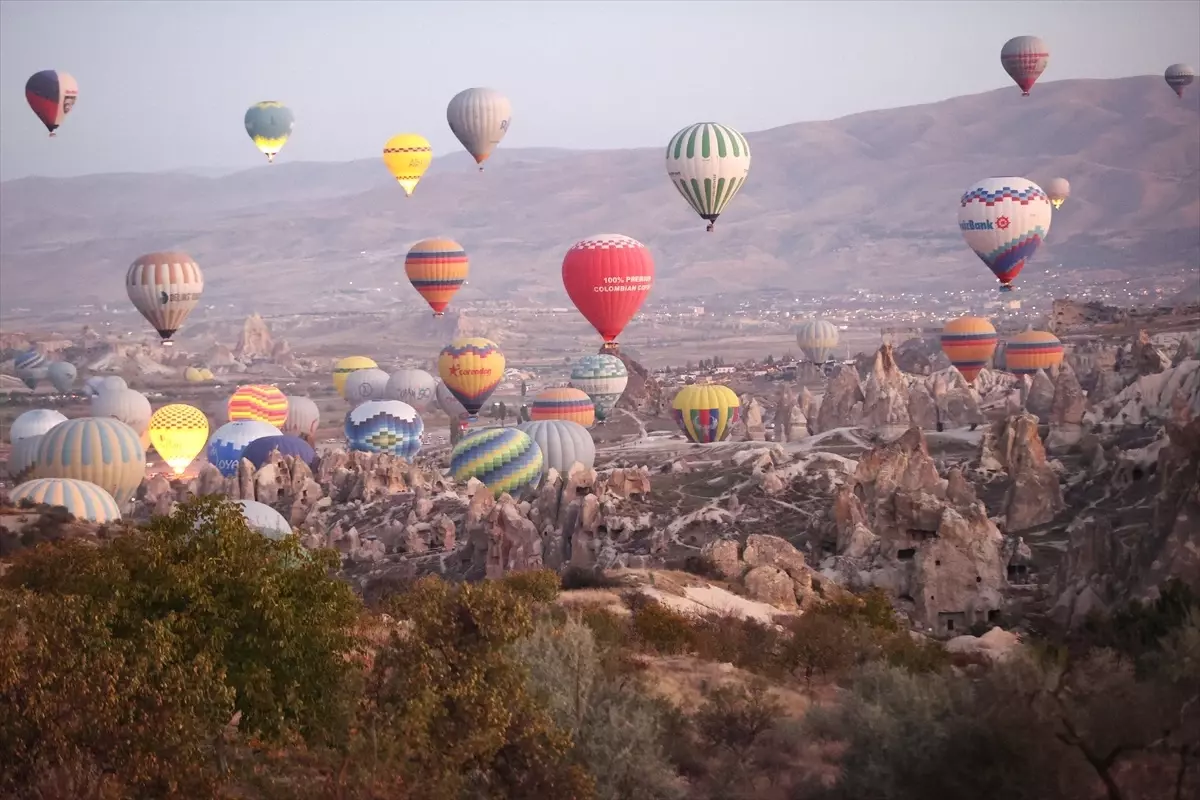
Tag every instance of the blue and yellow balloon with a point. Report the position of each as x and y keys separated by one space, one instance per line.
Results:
x=269 y=124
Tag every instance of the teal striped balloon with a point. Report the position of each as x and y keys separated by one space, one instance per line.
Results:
x=85 y=500
x=603 y=378
x=102 y=450
x=708 y=164
x=503 y=459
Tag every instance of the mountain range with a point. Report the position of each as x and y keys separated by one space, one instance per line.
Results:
x=865 y=201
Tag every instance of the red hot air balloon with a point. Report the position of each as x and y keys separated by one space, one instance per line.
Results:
x=1024 y=58
x=51 y=95
x=608 y=277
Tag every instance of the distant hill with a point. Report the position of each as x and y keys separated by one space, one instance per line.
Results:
x=868 y=200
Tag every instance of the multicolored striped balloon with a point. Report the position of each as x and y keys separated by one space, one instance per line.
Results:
x=259 y=401
x=564 y=402
x=969 y=343
x=83 y=499
x=385 y=426
x=706 y=412
x=437 y=268
x=1030 y=351
x=51 y=94
x=604 y=378
x=471 y=369
x=102 y=450
x=503 y=459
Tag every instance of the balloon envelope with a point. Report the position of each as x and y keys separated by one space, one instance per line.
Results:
x=85 y=500
x=479 y=118
x=608 y=277
x=164 y=287
x=303 y=417
x=264 y=519
x=34 y=423
x=227 y=443
x=343 y=368
x=179 y=433
x=1179 y=77
x=564 y=402
x=22 y=457
x=62 y=375
x=708 y=164
x=102 y=450
x=1024 y=58
x=436 y=268
x=366 y=384
x=471 y=369
x=1058 y=190
x=1030 y=351
x=603 y=377
x=269 y=124
x=407 y=156
x=969 y=343
x=818 y=338
x=448 y=403
x=1004 y=220
x=563 y=444
x=128 y=405
x=503 y=459
x=259 y=401
x=706 y=412
x=51 y=94
x=99 y=383
x=413 y=386
x=385 y=426
x=259 y=451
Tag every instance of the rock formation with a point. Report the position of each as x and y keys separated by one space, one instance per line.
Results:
x=254 y=341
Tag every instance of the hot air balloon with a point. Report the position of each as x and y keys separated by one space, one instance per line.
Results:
x=225 y=447
x=502 y=459
x=607 y=277
x=1024 y=58
x=263 y=519
x=102 y=450
x=471 y=369
x=564 y=402
x=407 y=156
x=1004 y=220
x=1058 y=190
x=128 y=405
x=969 y=343
x=165 y=287
x=436 y=268
x=84 y=500
x=413 y=386
x=303 y=417
x=22 y=458
x=479 y=119
x=193 y=375
x=51 y=94
x=259 y=401
x=269 y=124
x=708 y=164
x=34 y=423
x=448 y=403
x=62 y=375
x=1179 y=77
x=179 y=433
x=706 y=412
x=365 y=384
x=206 y=373
x=102 y=383
x=259 y=451
x=343 y=368
x=818 y=338
x=604 y=378
x=563 y=444
x=385 y=426
x=1030 y=351
x=30 y=366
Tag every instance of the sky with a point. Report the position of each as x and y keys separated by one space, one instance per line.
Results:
x=164 y=84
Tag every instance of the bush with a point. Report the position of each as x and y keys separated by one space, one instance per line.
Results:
x=745 y=643
x=539 y=585
x=579 y=578
x=658 y=628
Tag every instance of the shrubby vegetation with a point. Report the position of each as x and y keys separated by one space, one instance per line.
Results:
x=194 y=658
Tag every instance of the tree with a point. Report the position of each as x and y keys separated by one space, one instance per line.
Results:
x=769 y=360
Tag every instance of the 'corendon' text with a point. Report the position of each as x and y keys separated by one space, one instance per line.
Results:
x=480 y=371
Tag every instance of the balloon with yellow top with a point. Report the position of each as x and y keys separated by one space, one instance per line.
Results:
x=178 y=432
x=407 y=156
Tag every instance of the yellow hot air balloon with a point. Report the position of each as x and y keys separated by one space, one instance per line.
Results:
x=206 y=374
x=343 y=368
x=193 y=375
x=407 y=156
x=706 y=412
x=471 y=369
x=178 y=432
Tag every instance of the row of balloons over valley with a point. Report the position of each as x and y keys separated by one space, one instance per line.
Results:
x=94 y=465
x=1003 y=219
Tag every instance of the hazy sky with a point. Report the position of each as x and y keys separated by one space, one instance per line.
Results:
x=164 y=85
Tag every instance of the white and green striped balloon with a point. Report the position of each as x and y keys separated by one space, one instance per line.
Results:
x=818 y=337
x=708 y=163
x=601 y=377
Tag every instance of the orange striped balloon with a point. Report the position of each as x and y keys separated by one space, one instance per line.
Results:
x=969 y=343
x=261 y=402
x=1030 y=351
x=436 y=268
x=564 y=402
